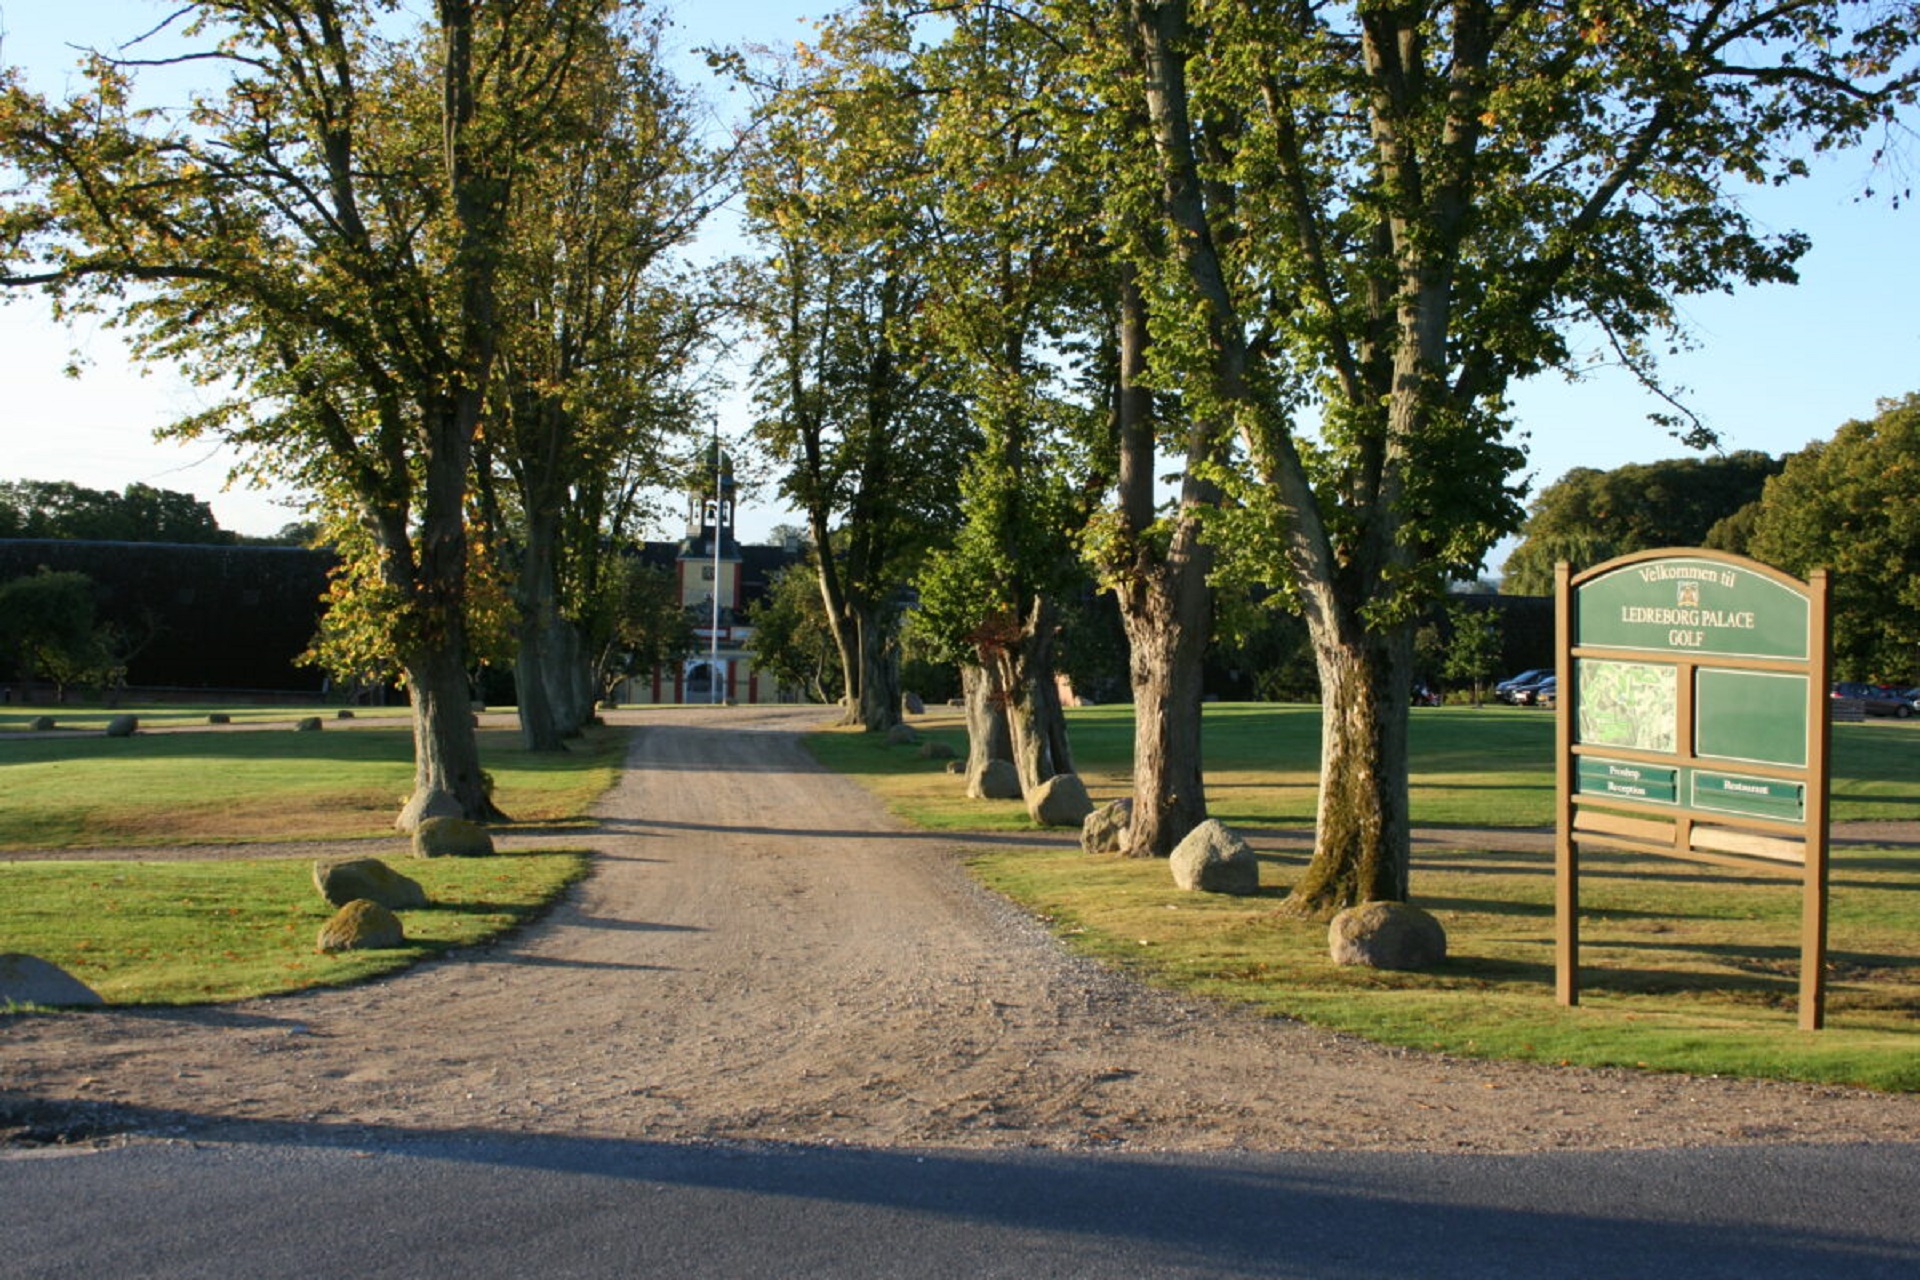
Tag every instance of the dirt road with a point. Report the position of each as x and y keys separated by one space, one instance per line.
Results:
x=762 y=955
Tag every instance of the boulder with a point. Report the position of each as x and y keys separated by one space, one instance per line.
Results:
x=28 y=979
x=957 y=767
x=1387 y=935
x=902 y=735
x=307 y=724
x=343 y=714
x=122 y=726
x=935 y=750
x=1213 y=859
x=1105 y=829
x=451 y=838
x=219 y=717
x=912 y=704
x=41 y=724
x=362 y=926
x=425 y=805
x=342 y=882
x=997 y=780
x=1060 y=801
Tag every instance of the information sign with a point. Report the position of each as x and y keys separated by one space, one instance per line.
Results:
x=1693 y=723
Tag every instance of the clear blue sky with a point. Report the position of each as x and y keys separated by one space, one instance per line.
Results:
x=1775 y=369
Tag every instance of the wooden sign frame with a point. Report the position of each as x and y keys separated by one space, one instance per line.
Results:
x=1692 y=721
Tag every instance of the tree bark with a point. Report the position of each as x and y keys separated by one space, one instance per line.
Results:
x=878 y=700
x=1362 y=828
x=988 y=738
x=539 y=613
x=1024 y=673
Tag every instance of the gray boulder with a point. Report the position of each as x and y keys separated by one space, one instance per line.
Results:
x=1213 y=859
x=1105 y=829
x=1387 y=935
x=934 y=749
x=997 y=780
x=307 y=724
x=1060 y=801
x=41 y=724
x=911 y=704
x=122 y=726
x=452 y=838
x=219 y=717
x=362 y=926
x=956 y=767
x=28 y=979
x=342 y=882
x=902 y=735
x=428 y=804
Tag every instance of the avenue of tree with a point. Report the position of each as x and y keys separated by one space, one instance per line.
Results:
x=1158 y=297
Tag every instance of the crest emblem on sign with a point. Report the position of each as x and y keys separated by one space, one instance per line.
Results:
x=1689 y=595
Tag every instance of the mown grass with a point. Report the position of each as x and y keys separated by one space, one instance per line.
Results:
x=171 y=933
x=1685 y=968
x=70 y=791
x=1485 y=767
x=198 y=932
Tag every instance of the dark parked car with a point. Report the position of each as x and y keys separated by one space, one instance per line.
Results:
x=1878 y=699
x=1510 y=690
x=1538 y=695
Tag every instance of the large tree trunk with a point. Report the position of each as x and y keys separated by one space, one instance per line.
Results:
x=446 y=751
x=1363 y=831
x=1166 y=617
x=878 y=700
x=1166 y=606
x=540 y=728
x=987 y=736
x=1024 y=673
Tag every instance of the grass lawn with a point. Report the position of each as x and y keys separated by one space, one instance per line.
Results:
x=75 y=790
x=1685 y=968
x=169 y=933
x=197 y=932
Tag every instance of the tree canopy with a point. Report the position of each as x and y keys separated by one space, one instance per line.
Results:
x=138 y=513
x=1848 y=505
x=1588 y=515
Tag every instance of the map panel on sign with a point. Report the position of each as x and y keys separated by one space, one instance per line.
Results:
x=1627 y=704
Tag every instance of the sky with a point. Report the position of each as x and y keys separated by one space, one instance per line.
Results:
x=1775 y=368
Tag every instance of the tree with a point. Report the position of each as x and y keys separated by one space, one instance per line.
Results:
x=593 y=384
x=1473 y=648
x=322 y=235
x=853 y=401
x=791 y=639
x=1847 y=506
x=47 y=631
x=1358 y=224
x=139 y=513
x=1588 y=516
x=635 y=625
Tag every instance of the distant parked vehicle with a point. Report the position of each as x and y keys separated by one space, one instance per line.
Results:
x=1539 y=695
x=1877 y=699
x=1509 y=690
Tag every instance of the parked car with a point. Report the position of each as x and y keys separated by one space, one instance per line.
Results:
x=1539 y=695
x=1509 y=690
x=1877 y=699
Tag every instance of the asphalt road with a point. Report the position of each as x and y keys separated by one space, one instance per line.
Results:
x=292 y=1202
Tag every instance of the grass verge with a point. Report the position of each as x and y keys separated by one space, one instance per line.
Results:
x=172 y=933
x=69 y=791
x=1685 y=968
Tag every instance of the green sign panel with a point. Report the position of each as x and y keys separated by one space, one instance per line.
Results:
x=1749 y=797
x=1626 y=780
x=1688 y=605
x=1756 y=716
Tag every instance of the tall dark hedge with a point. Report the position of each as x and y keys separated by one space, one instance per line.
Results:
x=221 y=617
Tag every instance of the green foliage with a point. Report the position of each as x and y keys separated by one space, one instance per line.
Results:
x=637 y=623
x=791 y=639
x=1848 y=506
x=139 y=513
x=1588 y=516
x=1473 y=646
x=48 y=632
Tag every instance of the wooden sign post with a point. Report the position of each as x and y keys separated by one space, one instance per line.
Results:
x=1692 y=722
